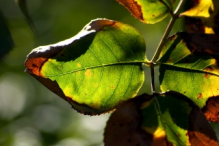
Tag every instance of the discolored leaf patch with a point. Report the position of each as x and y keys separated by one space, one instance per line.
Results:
x=148 y=11
x=194 y=69
x=199 y=8
x=209 y=24
x=94 y=70
x=170 y=119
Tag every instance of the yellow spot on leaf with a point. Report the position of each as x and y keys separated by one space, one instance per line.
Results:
x=79 y=65
x=112 y=87
x=96 y=85
x=78 y=72
x=88 y=73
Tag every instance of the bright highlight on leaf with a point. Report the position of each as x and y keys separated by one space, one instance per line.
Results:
x=189 y=65
x=94 y=70
x=148 y=11
x=161 y=120
x=200 y=8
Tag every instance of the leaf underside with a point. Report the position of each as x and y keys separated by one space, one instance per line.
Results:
x=95 y=70
x=191 y=68
x=170 y=119
x=148 y=11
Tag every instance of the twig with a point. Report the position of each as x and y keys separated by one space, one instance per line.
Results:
x=174 y=17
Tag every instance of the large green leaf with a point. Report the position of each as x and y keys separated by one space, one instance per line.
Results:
x=189 y=65
x=94 y=70
x=170 y=119
x=148 y=11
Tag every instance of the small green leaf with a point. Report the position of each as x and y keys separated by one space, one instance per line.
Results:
x=189 y=65
x=94 y=70
x=148 y=11
x=160 y=120
x=6 y=42
x=199 y=8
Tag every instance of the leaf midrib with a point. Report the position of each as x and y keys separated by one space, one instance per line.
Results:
x=102 y=65
x=192 y=69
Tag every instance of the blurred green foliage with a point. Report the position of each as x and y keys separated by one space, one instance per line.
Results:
x=31 y=115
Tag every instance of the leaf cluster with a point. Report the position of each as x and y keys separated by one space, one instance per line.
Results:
x=100 y=70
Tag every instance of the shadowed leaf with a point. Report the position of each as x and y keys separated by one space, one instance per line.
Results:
x=23 y=6
x=148 y=11
x=94 y=70
x=6 y=42
x=191 y=68
x=209 y=25
x=170 y=119
x=124 y=125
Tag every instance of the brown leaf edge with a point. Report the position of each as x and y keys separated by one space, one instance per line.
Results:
x=38 y=56
x=200 y=132
x=133 y=7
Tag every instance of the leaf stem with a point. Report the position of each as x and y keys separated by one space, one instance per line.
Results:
x=174 y=17
x=152 y=79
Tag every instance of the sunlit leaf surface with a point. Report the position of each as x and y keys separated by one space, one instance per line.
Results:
x=94 y=70
x=170 y=119
x=148 y=11
x=189 y=65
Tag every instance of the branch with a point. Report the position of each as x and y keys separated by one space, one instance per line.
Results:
x=174 y=17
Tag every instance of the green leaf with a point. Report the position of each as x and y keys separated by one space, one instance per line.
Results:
x=159 y=120
x=199 y=8
x=23 y=6
x=203 y=24
x=189 y=65
x=6 y=42
x=96 y=69
x=148 y=11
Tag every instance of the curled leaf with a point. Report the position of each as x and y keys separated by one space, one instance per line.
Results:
x=94 y=70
